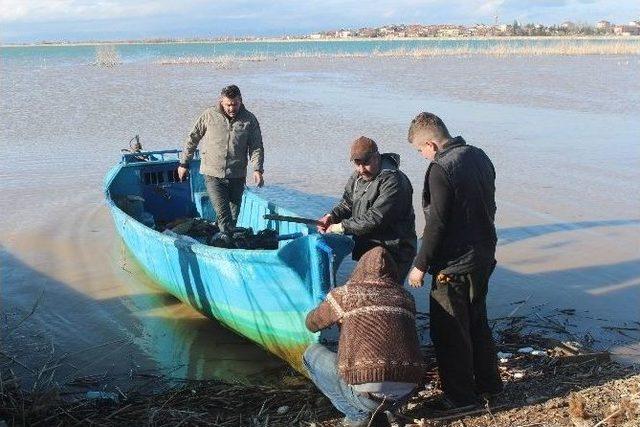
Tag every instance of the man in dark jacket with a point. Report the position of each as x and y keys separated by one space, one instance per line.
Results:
x=378 y=359
x=458 y=250
x=376 y=207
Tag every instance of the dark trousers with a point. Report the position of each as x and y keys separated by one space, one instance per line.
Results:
x=225 y=195
x=465 y=351
x=403 y=270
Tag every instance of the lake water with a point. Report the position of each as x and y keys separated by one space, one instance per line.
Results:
x=561 y=132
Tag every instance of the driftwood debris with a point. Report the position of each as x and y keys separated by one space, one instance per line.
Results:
x=573 y=352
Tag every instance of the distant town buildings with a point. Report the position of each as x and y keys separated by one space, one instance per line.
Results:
x=497 y=29
x=631 y=29
x=567 y=28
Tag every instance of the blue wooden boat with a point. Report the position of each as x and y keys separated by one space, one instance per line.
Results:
x=263 y=295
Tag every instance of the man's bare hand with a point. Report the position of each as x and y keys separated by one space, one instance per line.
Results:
x=324 y=223
x=258 y=179
x=416 y=277
x=182 y=173
x=335 y=229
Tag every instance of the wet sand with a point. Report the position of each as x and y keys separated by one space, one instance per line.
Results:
x=561 y=132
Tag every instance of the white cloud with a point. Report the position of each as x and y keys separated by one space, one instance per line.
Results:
x=82 y=19
x=27 y=11
x=79 y=10
x=390 y=13
x=491 y=7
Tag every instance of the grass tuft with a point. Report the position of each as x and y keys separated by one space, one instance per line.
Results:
x=107 y=56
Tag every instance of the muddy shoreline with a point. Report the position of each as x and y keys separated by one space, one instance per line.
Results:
x=549 y=378
x=549 y=389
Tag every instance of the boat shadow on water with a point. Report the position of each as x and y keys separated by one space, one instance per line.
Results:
x=56 y=336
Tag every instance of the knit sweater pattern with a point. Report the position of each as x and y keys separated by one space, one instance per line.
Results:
x=378 y=338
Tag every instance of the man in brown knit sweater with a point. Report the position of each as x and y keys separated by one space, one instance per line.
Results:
x=378 y=359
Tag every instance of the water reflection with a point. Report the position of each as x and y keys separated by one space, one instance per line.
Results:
x=48 y=323
x=190 y=345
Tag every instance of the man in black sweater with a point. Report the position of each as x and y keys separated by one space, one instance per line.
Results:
x=458 y=250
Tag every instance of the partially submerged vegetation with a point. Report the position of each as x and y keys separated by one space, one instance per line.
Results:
x=220 y=62
x=560 y=48
x=107 y=56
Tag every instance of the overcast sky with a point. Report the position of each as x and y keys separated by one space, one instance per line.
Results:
x=36 y=20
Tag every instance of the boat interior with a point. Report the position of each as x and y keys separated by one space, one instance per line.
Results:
x=147 y=188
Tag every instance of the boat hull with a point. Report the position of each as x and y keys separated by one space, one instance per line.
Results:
x=263 y=295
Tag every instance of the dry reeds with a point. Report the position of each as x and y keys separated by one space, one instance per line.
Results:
x=203 y=403
x=577 y=411
x=562 y=48
x=107 y=56
x=220 y=62
x=504 y=49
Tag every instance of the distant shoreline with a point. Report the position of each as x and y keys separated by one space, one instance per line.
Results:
x=321 y=40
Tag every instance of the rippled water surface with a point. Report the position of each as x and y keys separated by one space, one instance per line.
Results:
x=562 y=131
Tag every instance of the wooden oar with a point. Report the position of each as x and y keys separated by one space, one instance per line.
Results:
x=295 y=219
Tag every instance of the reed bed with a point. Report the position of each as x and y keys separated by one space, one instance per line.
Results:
x=505 y=50
x=559 y=48
x=107 y=56
x=221 y=62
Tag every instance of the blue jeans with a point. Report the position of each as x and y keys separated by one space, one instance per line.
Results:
x=322 y=365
